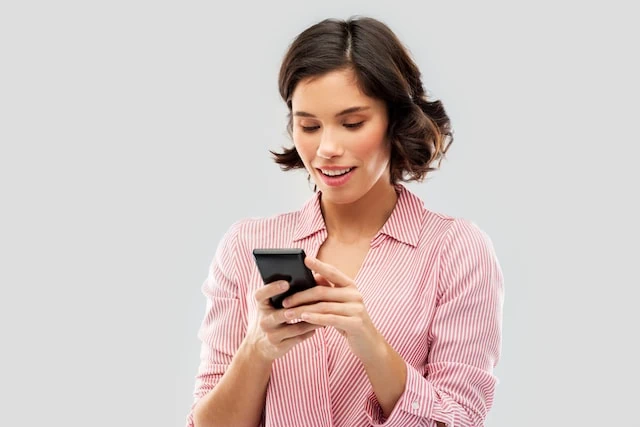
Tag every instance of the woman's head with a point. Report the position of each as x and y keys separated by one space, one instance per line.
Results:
x=334 y=65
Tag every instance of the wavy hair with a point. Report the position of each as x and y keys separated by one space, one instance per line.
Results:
x=419 y=129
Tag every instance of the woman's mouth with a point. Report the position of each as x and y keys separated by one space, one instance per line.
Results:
x=335 y=172
x=336 y=177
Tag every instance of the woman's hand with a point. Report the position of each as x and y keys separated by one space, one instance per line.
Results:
x=335 y=302
x=338 y=303
x=270 y=335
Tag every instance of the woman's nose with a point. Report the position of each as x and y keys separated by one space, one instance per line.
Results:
x=329 y=146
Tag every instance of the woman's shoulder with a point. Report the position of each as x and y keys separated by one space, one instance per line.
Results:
x=414 y=209
x=463 y=236
x=452 y=229
x=266 y=231
x=453 y=222
x=424 y=225
x=449 y=228
x=456 y=228
x=258 y=224
x=280 y=228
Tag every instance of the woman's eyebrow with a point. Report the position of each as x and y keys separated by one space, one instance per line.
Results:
x=341 y=113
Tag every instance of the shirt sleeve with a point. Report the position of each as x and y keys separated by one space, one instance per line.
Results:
x=465 y=340
x=223 y=328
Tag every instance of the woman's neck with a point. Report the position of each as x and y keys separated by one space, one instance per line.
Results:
x=362 y=219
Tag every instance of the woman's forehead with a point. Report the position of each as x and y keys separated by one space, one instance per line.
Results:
x=332 y=93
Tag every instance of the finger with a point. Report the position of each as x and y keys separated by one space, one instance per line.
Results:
x=269 y=290
x=345 y=323
x=322 y=293
x=337 y=308
x=292 y=331
x=322 y=281
x=331 y=273
x=274 y=319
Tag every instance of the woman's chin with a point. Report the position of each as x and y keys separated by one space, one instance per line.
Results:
x=338 y=196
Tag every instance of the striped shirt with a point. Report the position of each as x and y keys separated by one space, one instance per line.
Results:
x=431 y=284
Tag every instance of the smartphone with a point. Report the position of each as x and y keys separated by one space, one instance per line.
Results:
x=284 y=264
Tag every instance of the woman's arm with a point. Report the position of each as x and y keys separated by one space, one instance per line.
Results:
x=235 y=367
x=224 y=353
x=238 y=398
x=387 y=373
x=458 y=385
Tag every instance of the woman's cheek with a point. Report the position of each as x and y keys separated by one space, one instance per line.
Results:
x=304 y=148
x=369 y=140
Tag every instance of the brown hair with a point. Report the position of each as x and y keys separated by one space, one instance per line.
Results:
x=419 y=130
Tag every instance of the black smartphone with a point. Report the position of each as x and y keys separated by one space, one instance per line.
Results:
x=284 y=264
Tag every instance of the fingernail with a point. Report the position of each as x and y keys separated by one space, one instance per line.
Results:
x=285 y=302
x=284 y=285
x=289 y=314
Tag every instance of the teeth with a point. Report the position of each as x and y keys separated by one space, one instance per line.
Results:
x=335 y=172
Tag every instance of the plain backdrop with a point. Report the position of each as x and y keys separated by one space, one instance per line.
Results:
x=133 y=133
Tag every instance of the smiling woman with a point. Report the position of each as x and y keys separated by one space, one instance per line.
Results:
x=404 y=325
x=346 y=147
x=366 y=58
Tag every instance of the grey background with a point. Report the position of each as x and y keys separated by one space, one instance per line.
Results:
x=134 y=133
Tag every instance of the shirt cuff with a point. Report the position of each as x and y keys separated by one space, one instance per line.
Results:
x=417 y=401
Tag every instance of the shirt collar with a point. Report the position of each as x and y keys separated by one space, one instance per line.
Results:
x=403 y=225
x=405 y=222
x=310 y=219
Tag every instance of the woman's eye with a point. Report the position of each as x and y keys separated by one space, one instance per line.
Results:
x=353 y=125
x=310 y=129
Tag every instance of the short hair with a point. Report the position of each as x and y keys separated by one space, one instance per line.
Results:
x=419 y=129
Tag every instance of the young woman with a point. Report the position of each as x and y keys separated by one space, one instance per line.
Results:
x=405 y=327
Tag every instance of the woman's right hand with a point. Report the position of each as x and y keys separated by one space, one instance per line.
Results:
x=270 y=335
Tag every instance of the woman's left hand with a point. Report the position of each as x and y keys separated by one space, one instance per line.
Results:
x=335 y=302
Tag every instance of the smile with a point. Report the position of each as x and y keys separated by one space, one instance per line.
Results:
x=336 y=172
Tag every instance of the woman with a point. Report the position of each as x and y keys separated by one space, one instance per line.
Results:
x=405 y=327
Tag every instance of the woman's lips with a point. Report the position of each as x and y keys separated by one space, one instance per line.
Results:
x=336 y=181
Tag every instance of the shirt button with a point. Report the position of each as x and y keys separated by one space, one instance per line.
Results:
x=415 y=405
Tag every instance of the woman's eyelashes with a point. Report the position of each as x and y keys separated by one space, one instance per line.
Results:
x=310 y=129
x=353 y=125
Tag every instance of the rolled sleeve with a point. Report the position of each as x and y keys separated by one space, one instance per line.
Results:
x=415 y=406
x=223 y=327
x=458 y=386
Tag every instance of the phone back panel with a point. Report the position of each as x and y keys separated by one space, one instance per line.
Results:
x=284 y=264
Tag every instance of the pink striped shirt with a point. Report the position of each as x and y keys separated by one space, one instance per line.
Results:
x=431 y=284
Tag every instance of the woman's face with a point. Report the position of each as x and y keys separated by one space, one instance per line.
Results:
x=340 y=134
